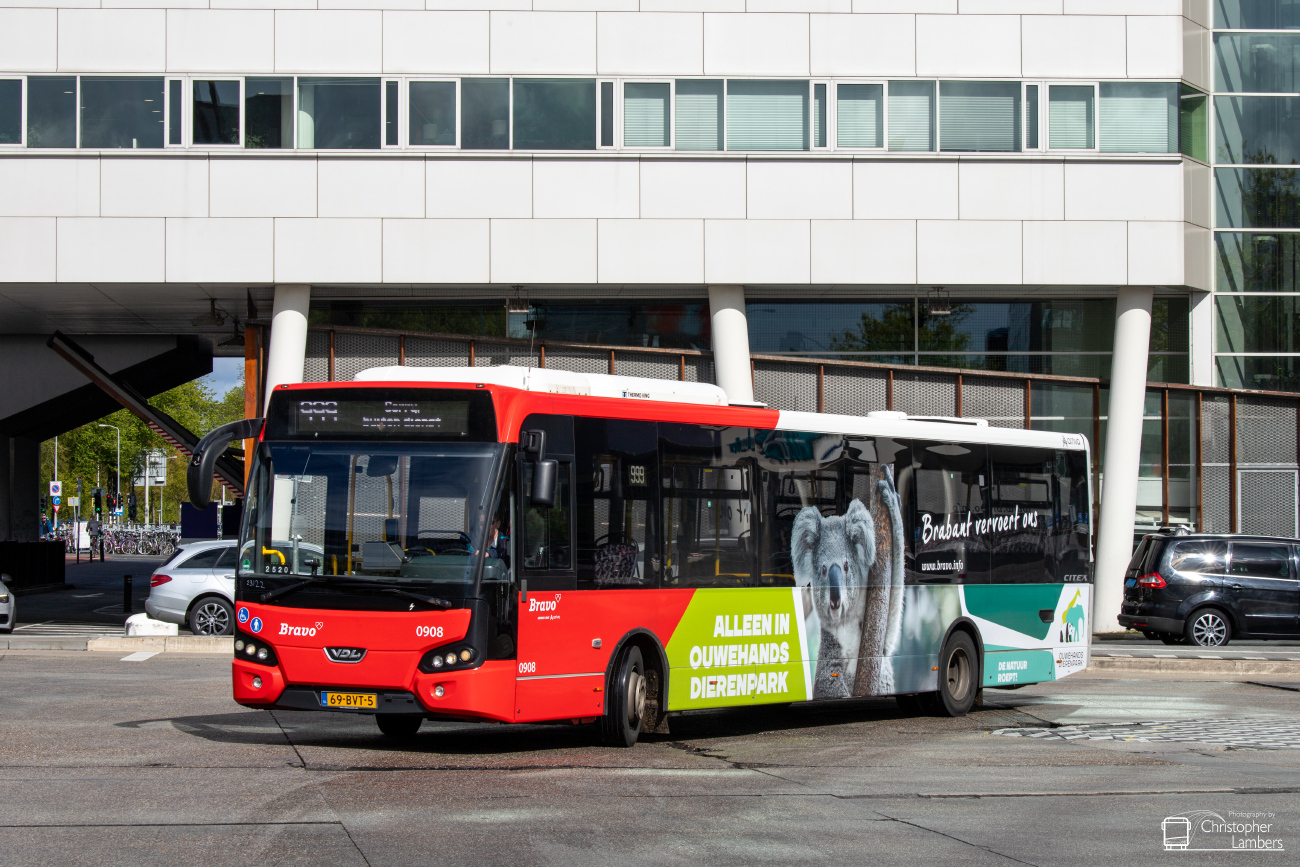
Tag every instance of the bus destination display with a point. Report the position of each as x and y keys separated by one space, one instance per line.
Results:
x=441 y=417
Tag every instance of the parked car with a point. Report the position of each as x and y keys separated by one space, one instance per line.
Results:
x=8 y=606
x=1207 y=589
x=196 y=588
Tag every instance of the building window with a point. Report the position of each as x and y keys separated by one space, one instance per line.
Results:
x=268 y=112
x=52 y=111
x=1257 y=14
x=485 y=113
x=646 y=115
x=391 y=113
x=860 y=116
x=819 y=116
x=1258 y=323
x=911 y=115
x=175 y=108
x=555 y=113
x=1193 y=137
x=979 y=116
x=1258 y=198
x=121 y=112
x=1258 y=129
x=216 y=113
x=1071 y=116
x=1256 y=62
x=1139 y=118
x=1031 y=117
x=1257 y=262
x=11 y=111
x=338 y=113
x=432 y=112
x=767 y=115
x=607 y=114
x=699 y=115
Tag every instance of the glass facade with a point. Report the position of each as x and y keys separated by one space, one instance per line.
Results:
x=11 y=111
x=268 y=112
x=555 y=113
x=216 y=112
x=338 y=113
x=121 y=112
x=1256 y=131
x=433 y=112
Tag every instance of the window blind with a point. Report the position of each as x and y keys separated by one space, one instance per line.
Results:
x=1070 y=116
x=699 y=115
x=860 y=123
x=1031 y=117
x=979 y=115
x=645 y=114
x=911 y=115
x=767 y=115
x=1139 y=118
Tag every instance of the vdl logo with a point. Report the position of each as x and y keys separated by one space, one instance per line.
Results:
x=243 y=615
x=1210 y=832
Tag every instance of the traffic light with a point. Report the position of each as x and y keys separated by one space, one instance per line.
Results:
x=131 y=506
x=99 y=503
x=44 y=506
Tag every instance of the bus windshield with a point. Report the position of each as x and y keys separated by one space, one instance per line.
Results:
x=357 y=514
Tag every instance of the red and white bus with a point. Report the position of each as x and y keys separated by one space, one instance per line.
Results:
x=534 y=545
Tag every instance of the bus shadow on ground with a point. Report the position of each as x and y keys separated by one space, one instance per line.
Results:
x=452 y=738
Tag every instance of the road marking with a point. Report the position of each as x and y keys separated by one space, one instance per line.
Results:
x=1208 y=656
x=1128 y=655
x=140 y=656
x=1260 y=658
x=1165 y=655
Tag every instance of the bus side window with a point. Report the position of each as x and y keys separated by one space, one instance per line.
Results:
x=1073 y=525
x=1023 y=508
x=615 y=477
x=950 y=482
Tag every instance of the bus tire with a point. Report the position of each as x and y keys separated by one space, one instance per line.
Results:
x=625 y=705
x=958 y=677
x=399 y=725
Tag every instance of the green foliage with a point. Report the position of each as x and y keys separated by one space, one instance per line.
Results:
x=90 y=451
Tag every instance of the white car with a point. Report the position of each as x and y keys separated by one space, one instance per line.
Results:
x=8 y=606
x=196 y=588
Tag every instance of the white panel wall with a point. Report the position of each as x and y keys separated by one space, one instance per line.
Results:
x=100 y=250
x=328 y=42
x=968 y=45
x=154 y=187
x=864 y=251
x=800 y=189
x=220 y=40
x=650 y=251
x=693 y=188
x=113 y=40
x=49 y=187
x=436 y=251
x=26 y=249
x=220 y=250
x=436 y=42
x=1124 y=191
x=862 y=44
x=544 y=251
x=1012 y=191
x=479 y=188
x=328 y=251
x=585 y=188
x=29 y=40
x=755 y=44
x=1155 y=46
x=1077 y=253
x=350 y=187
x=543 y=42
x=251 y=187
x=973 y=251
x=1074 y=46
x=1155 y=254
x=649 y=43
x=757 y=251
x=884 y=190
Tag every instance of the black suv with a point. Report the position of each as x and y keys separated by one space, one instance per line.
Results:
x=1206 y=589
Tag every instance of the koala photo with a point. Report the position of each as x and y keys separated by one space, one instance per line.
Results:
x=852 y=565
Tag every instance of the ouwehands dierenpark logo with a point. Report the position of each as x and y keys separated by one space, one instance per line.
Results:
x=1207 y=831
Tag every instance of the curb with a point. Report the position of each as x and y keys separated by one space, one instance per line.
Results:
x=1226 y=667
x=166 y=644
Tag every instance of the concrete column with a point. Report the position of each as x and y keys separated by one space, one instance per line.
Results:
x=1123 y=453
x=731 y=343
x=20 y=474
x=287 y=353
x=1202 y=338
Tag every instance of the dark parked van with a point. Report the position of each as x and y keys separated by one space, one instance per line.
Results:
x=1207 y=589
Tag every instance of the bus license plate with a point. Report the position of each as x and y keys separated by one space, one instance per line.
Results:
x=347 y=699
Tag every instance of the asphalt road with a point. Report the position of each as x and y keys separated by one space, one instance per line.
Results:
x=107 y=761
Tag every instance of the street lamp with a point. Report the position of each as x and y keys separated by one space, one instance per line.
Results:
x=117 y=468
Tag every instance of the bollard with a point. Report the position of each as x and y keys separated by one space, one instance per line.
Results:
x=126 y=593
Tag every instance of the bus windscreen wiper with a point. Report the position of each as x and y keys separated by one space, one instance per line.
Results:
x=432 y=601
x=289 y=588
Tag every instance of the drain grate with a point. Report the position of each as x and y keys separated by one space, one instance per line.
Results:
x=1259 y=734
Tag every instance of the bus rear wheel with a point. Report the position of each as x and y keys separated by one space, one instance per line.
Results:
x=626 y=703
x=399 y=725
x=958 y=678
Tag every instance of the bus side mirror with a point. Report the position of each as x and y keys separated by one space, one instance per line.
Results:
x=202 y=466
x=544 y=475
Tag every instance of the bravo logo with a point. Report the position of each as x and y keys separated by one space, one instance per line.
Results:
x=536 y=604
x=306 y=631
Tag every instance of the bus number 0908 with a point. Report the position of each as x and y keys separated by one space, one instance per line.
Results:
x=527 y=667
x=428 y=632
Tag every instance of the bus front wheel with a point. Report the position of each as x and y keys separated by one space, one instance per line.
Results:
x=958 y=678
x=625 y=704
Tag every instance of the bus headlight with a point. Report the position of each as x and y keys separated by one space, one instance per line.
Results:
x=437 y=662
